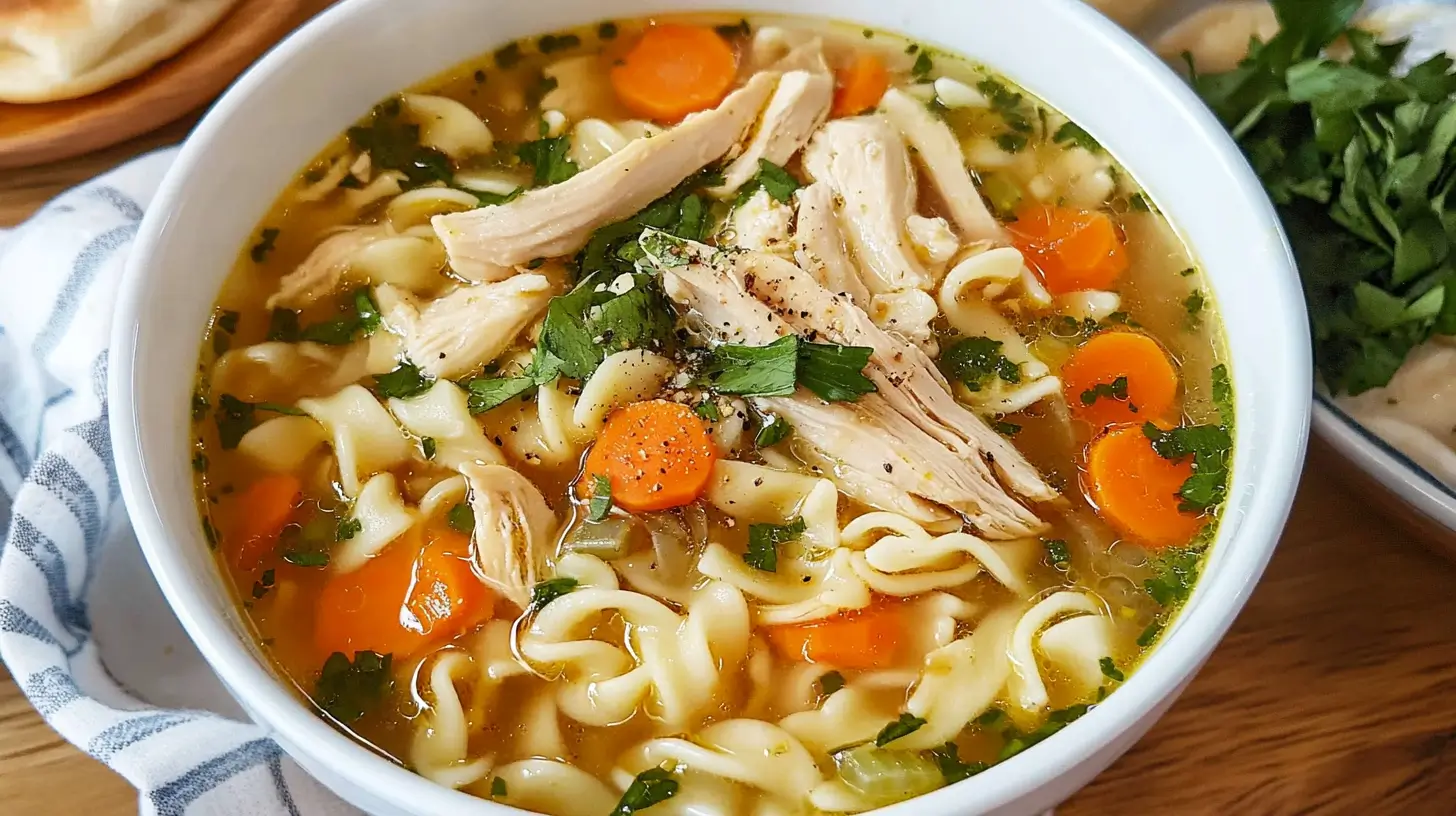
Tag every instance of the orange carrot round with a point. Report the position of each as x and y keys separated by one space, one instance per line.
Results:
x=856 y=639
x=657 y=455
x=1120 y=376
x=1072 y=249
x=675 y=70
x=258 y=517
x=1136 y=490
x=860 y=86
x=413 y=594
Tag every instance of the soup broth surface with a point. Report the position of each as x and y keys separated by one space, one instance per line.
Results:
x=849 y=444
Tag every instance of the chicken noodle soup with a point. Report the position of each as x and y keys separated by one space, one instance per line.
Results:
x=698 y=415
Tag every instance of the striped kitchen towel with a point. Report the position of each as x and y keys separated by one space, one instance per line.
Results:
x=69 y=557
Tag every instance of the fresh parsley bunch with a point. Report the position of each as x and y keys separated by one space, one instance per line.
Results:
x=1359 y=163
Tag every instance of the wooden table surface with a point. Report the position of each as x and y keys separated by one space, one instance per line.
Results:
x=1335 y=692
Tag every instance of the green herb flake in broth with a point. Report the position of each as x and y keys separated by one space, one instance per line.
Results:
x=1115 y=390
x=403 y=382
x=1071 y=134
x=1005 y=428
x=487 y=199
x=607 y=31
x=283 y=326
x=834 y=373
x=906 y=725
x=991 y=717
x=1110 y=669
x=1056 y=721
x=774 y=430
x=1137 y=202
x=347 y=688
x=199 y=406
x=738 y=29
x=428 y=447
x=600 y=505
x=1193 y=304
x=708 y=410
x=920 y=71
x=948 y=759
x=830 y=682
x=1011 y=142
x=1058 y=553
x=1210 y=447
x=234 y=419
x=549 y=590
x=348 y=528
x=266 y=241
x=975 y=361
x=209 y=532
x=764 y=541
x=1188 y=273
x=651 y=787
x=265 y=582
x=757 y=371
x=551 y=43
x=508 y=56
x=394 y=144
x=1150 y=634
x=461 y=518
x=1174 y=573
x=227 y=321
x=772 y=179
x=199 y=462
x=550 y=159
x=497 y=788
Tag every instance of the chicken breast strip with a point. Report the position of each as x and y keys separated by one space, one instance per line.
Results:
x=487 y=243
x=458 y=333
x=799 y=105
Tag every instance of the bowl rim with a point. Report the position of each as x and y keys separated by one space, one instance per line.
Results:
x=1387 y=464
x=320 y=747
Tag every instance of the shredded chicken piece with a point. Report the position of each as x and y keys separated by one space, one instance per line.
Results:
x=467 y=328
x=486 y=244
x=800 y=104
x=869 y=449
x=939 y=151
x=865 y=164
x=513 y=529
x=819 y=245
x=905 y=376
x=324 y=268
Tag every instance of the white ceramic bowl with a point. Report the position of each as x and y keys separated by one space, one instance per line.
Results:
x=333 y=70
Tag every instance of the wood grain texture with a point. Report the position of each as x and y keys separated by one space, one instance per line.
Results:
x=1335 y=692
x=32 y=134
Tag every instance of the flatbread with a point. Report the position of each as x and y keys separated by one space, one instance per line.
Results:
x=62 y=49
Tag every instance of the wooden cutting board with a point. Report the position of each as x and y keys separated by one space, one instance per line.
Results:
x=35 y=134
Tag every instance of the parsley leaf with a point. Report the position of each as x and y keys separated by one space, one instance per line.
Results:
x=1150 y=634
x=550 y=158
x=348 y=688
x=488 y=392
x=830 y=682
x=1057 y=552
x=599 y=317
x=651 y=787
x=549 y=590
x=234 y=419
x=1005 y=428
x=348 y=528
x=906 y=725
x=1174 y=573
x=266 y=241
x=753 y=371
x=1072 y=135
x=948 y=759
x=772 y=179
x=1210 y=446
x=428 y=445
x=461 y=518
x=773 y=431
x=404 y=381
x=497 y=788
x=394 y=144
x=834 y=373
x=1056 y=721
x=1115 y=390
x=1110 y=670
x=920 y=71
x=975 y=361
x=708 y=410
x=764 y=541
x=600 y=505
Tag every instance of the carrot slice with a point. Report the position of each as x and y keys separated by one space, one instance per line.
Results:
x=1136 y=490
x=1073 y=249
x=414 y=594
x=657 y=454
x=859 y=86
x=259 y=516
x=1120 y=376
x=857 y=639
x=675 y=70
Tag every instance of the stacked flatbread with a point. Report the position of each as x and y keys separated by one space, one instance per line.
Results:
x=61 y=49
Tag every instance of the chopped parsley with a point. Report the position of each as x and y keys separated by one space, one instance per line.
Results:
x=394 y=144
x=549 y=158
x=497 y=788
x=1011 y=142
x=508 y=56
x=651 y=787
x=832 y=372
x=600 y=505
x=428 y=445
x=1174 y=573
x=347 y=688
x=199 y=462
x=348 y=528
x=593 y=320
x=607 y=31
x=1006 y=428
x=1210 y=447
x=773 y=180
x=830 y=682
x=265 y=582
x=1072 y=135
x=906 y=725
x=1058 y=553
x=1110 y=670
x=488 y=392
x=764 y=541
x=948 y=759
x=1115 y=390
x=772 y=431
x=920 y=71
x=1194 y=303
x=1150 y=634
x=708 y=410
x=549 y=590
x=361 y=318
x=235 y=418
x=551 y=43
x=461 y=518
x=975 y=361
x=1056 y=721
x=266 y=241
x=405 y=381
